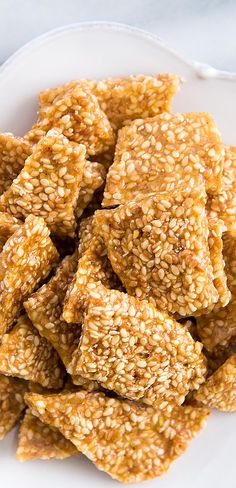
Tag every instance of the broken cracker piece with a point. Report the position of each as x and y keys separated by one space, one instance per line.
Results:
x=158 y=246
x=123 y=438
x=44 y=309
x=219 y=390
x=48 y=185
x=93 y=268
x=27 y=355
x=163 y=152
x=93 y=178
x=40 y=441
x=223 y=206
x=8 y=225
x=12 y=402
x=128 y=346
x=26 y=259
x=75 y=111
x=218 y=327
x=13 y=153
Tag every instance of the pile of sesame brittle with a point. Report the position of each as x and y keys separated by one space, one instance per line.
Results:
x=117 y=276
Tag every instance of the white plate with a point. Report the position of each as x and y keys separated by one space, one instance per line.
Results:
x=97 y=50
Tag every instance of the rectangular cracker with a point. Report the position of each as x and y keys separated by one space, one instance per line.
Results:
x=219 y=390
x=27 y=355
x=12 y=403
x=163 y=152
x=40 y=441
x=13 y=153
x=128 y=346
x=48 y=185
x=26 y=259
x=219 y=327
x=158 y=246
x=128 y=441
x=44 y=309
x=75 y=111
x=223 y=206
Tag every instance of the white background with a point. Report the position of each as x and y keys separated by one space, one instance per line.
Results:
x=204 y=30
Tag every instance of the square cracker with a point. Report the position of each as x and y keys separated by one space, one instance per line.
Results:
x=48 y=185
x=12 y=403
x=158 y=247
x=164 y=152
x=125 y=439
x=27 y=258
x=27 y=355
x=128 y=346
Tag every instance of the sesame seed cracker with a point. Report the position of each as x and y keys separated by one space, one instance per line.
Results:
x=163 y=152
x=27 y=355
x=130 y=347
x=219 y=390
x=11 y=403
x=125 y=439
x=27 y=258
x=48 y=185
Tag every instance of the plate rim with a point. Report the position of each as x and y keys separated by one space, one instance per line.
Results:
x=202 y=70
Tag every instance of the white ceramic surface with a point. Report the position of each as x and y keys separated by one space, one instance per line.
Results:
x=100 y=50
x=200 y=29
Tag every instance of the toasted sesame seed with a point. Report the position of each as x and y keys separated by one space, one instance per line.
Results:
x=76 y=113
x=94 y=358
x=25 y=354
x=129 y=424
x=49 y=152
x=12 y=402
x=26 y=259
